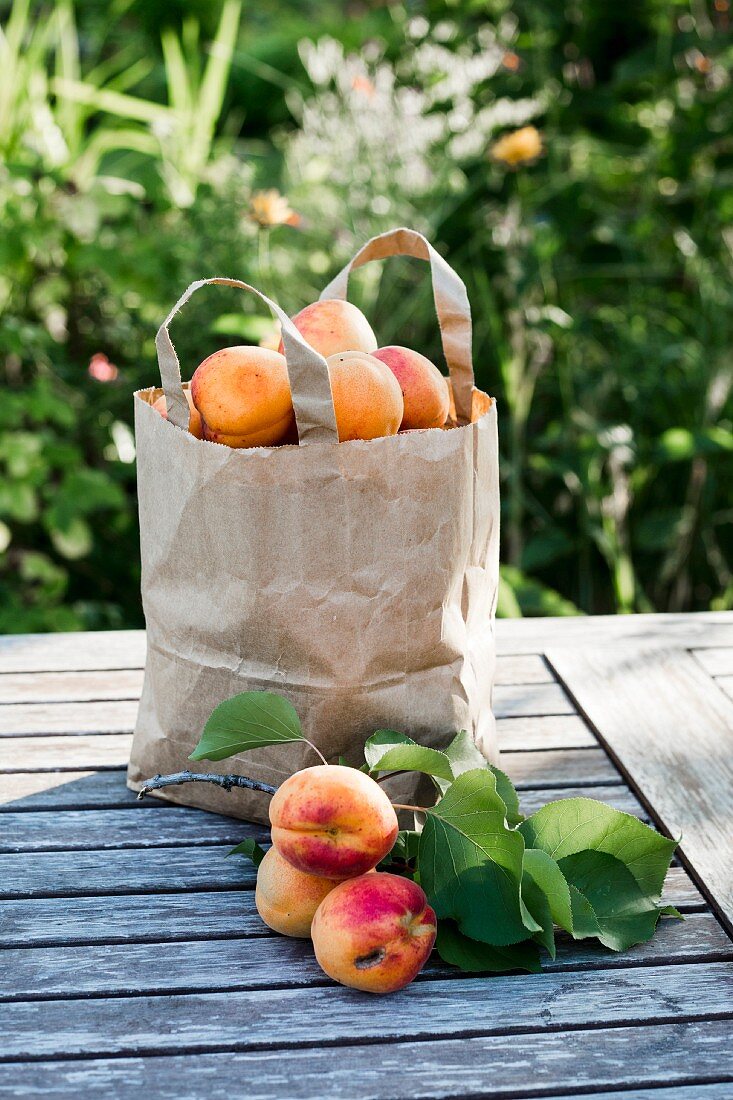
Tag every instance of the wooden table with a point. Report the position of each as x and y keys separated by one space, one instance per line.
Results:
x=134 y=964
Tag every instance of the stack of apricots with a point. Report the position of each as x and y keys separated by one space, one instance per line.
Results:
x=331 y=825
x=240 y=396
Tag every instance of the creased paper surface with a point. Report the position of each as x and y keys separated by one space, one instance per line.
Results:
x=358 y=579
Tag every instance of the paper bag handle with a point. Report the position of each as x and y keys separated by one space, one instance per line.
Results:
x=451 y=304
x=307 y=372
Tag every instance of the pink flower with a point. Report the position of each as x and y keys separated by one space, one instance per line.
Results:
x=101 y=369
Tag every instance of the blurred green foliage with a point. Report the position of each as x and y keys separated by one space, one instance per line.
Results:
x=133 y=135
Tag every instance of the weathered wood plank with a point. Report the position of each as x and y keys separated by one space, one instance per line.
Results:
x=696 y=631
x=146 y=827
x=52 y=754
x=671 y=728
x=89 y=790
x=495 y=1067
x=109 y=716
x=277 y=962
x=117 y=714
x=526 y=700
x=425 y=1010
x=554 y=767
x=716 y=662
x=527 y=668
x=76 y=652
x=527 y=734
x=161 y=870
x=146 y=918
x=725 y=683
x=64 y=687
x=106 y=790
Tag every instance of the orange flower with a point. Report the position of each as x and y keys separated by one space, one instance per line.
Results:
x=511 y=61
x=519 y=147
x=101 y=369
x=364 y=85
x=270 y=208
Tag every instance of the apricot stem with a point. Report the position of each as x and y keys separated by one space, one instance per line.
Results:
x=316 y=750
x=225 y=781
x=388 y=775
x=415 y=809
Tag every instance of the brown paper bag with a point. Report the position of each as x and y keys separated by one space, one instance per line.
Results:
x=358 y=579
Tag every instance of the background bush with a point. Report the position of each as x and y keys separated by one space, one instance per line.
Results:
x=134 y=136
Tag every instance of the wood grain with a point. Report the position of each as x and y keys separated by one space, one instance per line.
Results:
x=163 y=870
x=527 y=668
x=163 y=917
x=426 y=1010
x=701 y=630
x=60 y=754
x=276 y=962
x=62 y=687
x=716 y=662
x=109 y=716
x=495 y=1067
x=671 y=728
x=75 y=652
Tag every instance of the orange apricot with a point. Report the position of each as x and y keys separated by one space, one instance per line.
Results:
x=367 y=397
x=374 y=932
x=286 y=898
x=334 y=325
x=243 y=396
x=424 y=389
x=332 y=821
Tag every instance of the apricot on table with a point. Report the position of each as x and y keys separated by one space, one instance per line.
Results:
x=334 y=325
x=424 y=389
x=243 y=396
x=286 y=898
x=194 y=421
x=367 y=398
x=332 y=821
x=374 y=932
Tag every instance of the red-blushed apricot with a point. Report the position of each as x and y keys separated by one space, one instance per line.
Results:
x=424 y=389
x=367 y=398
x=243 y=395
x=194 y=421
x=286 y=898
x=332 y=821
x=334 y=325
x=374 y=932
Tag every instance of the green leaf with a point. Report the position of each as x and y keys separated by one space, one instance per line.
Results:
x=585 y=923
x=506 y=791
x=470 y=862
x=251 y=849
x=548 y=878
x=577 y=824
x=250 y=720
x=463 y=756
x=536 y=901
x=480 y=958
x=386 y=751
x=625 y=915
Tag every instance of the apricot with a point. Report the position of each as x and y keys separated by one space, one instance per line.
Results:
x=287 y=899
x=194 y=421
x=367 y=398
x=334 y=325
x=243 y=396
x=374 y=932
x=424 y=389
x=332 y=821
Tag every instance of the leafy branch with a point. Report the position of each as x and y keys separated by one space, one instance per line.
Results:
x=500 y=883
